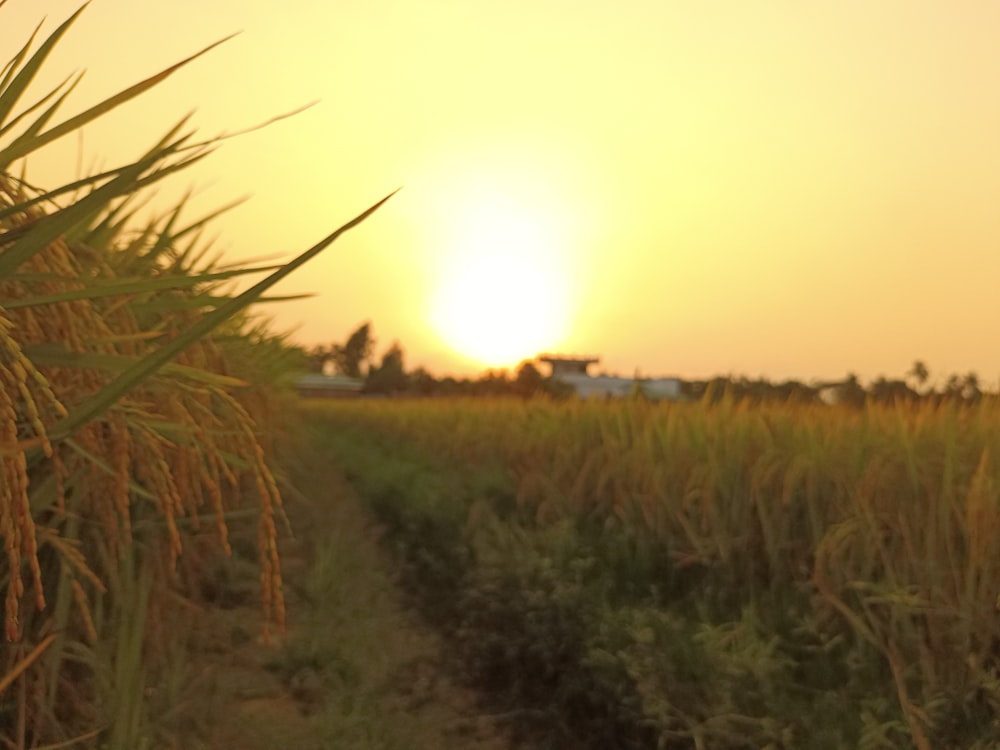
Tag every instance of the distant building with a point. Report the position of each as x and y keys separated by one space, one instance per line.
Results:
x=315 y=385
x=568 y=365
x=573 y=372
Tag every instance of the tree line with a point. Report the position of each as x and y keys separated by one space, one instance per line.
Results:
x=913 y=387
x=387 y=375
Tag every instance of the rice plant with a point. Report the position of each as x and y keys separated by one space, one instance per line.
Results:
x=123 y=423
x=863 y=542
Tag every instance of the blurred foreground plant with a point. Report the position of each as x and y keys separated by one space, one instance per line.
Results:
x=122 y=426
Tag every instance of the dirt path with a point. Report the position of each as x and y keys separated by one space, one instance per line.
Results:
x=356 y=669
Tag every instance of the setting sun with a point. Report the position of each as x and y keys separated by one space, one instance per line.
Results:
x=502 y=295
x=660 y=332
x=681 y=188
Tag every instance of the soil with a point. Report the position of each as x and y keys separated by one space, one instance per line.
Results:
x=356 y=668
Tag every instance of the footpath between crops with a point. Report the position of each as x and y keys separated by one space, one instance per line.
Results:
x=357 y=668
x=606 y=579
x=514 y=607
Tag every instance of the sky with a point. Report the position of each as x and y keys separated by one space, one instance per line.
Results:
x=778 y=189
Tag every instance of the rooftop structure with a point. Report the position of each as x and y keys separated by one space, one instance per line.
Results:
x=568 y=365
x=573 y=372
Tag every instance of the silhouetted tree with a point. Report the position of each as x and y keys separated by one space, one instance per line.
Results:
x=422 y=383
x=919 y=373
x=316 y=358
x=447 y=386
x=349 y=358
x=529 y=380
x=891 y=391
x=953 y=387
x=390 y=375
x=970 y=387
x=850 y=391
x=793 y=391
x=492 y=383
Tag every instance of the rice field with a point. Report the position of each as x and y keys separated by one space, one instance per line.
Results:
x=611 y=574
x=627 y=574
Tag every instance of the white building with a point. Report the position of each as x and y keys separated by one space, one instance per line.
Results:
x=573 y=372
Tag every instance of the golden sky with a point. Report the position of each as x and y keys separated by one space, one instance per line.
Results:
x=788 y=189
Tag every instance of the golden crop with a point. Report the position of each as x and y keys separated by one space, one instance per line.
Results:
x=887 y=518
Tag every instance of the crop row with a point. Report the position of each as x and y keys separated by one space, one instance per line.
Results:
x=703 y=576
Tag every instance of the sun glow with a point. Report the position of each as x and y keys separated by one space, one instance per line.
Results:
x=503 y=291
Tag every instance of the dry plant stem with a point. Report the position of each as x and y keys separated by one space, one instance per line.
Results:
x=26 y=662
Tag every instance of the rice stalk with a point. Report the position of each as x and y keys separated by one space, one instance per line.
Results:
x=119 y=425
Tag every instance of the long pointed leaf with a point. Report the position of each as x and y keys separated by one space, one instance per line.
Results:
x=165 y=150
x=100 y=463
x=205 y=147
x=167 y=304
x=13 y=91
x=54 y=355
x=19 y=149
x=44 y=119
x=114 y=224
x=102 y=400
x=168 y=238
x=49 y=196
x=118 y=287
x=12 y=65
x=58 y=224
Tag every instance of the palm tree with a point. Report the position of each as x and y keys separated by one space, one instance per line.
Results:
x=919 y=373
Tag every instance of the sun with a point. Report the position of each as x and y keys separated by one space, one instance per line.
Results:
x=502 y=293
